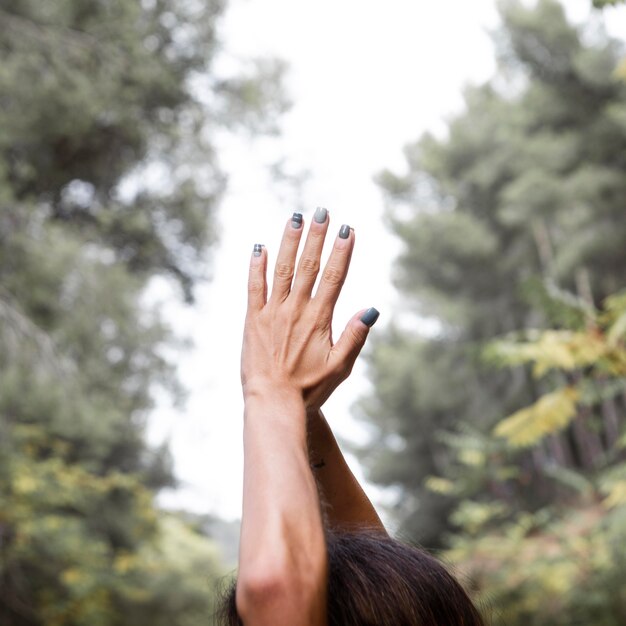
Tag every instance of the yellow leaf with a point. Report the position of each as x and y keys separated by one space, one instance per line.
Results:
x=553 y=349
x=620 y=71
x=567 y=350
x=617 y=330
x=473 y=458
x=472 y=516
x=439 y=485
x=24 y=484
x=550 y=413
x=71 y=576
x=617 y=495
x=124 y=562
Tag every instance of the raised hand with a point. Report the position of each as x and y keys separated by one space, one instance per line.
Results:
x=288 y=338
x=289 y=366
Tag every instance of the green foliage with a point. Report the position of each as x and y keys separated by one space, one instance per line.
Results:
x=99 y=93
x=108 y=178
x=599 y=351
x=81 y=546
x=600 y=4
x=519 y=559
x=519 y=205
x=550 y=567
x=505 y=431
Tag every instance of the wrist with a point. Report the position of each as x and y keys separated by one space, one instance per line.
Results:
x=274 y=397
x=275 y=409
x=264 y=388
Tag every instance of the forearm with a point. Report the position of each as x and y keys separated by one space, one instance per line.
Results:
x=282 y=550
x=288 y=352
x=346 y=504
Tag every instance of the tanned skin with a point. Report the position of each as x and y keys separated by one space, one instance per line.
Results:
x=346 y=505
x=289 y=367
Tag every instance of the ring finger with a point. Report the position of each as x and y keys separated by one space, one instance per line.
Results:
x=336 y=270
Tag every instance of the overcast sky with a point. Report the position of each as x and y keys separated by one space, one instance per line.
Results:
x=366 y=78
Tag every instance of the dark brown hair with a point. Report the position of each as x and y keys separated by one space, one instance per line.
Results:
x=374 y=580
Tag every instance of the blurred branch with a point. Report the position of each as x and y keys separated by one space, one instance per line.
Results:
x=601 y=4
x=22 y=325
x=31 y=27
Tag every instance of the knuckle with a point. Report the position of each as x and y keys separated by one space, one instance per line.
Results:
x=292 y=235
x=333 y=276
x=256 y=286
x=317 y=233
x=284 y=271
x=341 y=250
x=323 y=321
x=355 y=335
x=309 y=266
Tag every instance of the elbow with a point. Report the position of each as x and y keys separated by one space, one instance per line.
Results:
x=260 y=591
x=274 y=590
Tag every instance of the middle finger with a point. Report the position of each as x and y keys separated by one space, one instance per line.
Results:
x=309 y=264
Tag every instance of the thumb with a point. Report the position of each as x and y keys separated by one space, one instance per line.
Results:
x=352 y=339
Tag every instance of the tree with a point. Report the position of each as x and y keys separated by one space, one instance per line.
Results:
x=108 y=177
x=531 y=565
x=525 y=190
x=601 y=4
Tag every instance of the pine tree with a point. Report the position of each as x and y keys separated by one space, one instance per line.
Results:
x=525 y=190
x=108 y=177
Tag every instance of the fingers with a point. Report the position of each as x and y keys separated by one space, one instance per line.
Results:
x=309 y=264
x=257 y=284
x=286 y=260
x=336 y=269
x=353 y=338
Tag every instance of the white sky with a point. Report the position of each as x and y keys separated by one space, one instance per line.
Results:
x=366 y=78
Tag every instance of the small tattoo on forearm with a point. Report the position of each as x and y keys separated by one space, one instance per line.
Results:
x=318 y=465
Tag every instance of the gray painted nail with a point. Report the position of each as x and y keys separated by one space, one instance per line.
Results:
x=370 y=316
x=296 y=220
x=320 y=215
x=344 y=232
x=258 y=247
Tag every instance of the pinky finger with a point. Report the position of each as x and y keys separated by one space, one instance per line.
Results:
x=257 y=281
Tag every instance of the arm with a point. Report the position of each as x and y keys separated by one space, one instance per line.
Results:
x=282 y=572
x=289 y=363
x=346 y=504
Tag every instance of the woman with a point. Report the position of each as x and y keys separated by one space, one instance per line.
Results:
x=313 y=551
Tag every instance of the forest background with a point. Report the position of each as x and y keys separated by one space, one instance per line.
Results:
x=501 y=428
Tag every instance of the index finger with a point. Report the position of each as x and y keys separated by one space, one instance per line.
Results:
x=286 y=260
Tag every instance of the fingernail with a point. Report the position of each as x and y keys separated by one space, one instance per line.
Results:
x=296 y=220
x=344 y=232
x=258 y=247
x=320 y=215
x=370 y=316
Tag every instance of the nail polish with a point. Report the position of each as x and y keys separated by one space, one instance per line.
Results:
x=320 y=215
x=296 y=220
x=370 y=316
x=258 y=247
x=344 y=232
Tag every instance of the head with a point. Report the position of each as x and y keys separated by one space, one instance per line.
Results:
x=374 y=580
